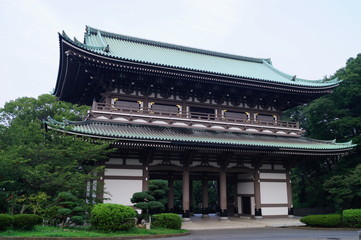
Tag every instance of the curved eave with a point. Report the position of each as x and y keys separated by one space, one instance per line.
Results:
x=212 y=145
x=235 y=79
x=337 y=148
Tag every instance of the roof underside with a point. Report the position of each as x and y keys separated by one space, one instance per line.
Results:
x=174 y=135
x=168 y=55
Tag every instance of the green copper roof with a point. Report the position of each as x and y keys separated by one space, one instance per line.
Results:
x=123 y=131
x=169 y=55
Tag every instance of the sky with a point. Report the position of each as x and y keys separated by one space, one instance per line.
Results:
x=307 y=38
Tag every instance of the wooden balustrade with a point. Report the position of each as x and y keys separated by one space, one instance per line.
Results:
x=148 y=112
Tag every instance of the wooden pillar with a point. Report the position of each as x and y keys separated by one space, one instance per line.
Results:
x=191 y=196
x=205 y=209
x=171 y=194
x=186 y=213
x=223 y=194
x=257 y=194
x=289 y=193
x=145 y=177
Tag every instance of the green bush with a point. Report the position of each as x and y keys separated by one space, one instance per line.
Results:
x=111 y=217
x=6 y=221
x=26 y=221
x=167 y=220
x=351 y=217
x=328 y=220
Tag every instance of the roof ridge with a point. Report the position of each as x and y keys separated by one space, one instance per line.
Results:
x=90 y=30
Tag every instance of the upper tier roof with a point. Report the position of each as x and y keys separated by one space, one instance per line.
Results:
x=169 y=55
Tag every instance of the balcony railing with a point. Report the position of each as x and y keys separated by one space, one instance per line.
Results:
x=187 y=116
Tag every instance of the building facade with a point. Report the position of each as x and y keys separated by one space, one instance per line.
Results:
x=179 y=113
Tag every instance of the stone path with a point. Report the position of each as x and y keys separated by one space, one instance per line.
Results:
x=213 y=222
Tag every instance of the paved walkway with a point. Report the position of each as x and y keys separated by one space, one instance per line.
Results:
x=213 y=222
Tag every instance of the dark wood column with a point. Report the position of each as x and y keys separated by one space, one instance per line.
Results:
x=257 y=194
x=146 y=157
x=171 y=194
x=223 y=160
x=289 y=193
x=185 y=190
x=223 y=194
x=186 y=161
x=205 y=209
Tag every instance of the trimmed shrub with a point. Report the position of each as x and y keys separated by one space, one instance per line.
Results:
x=328 y=220
x=351 y=217
x=26 y=221
x=111 y=217
x=6 y=221
x=167 y=220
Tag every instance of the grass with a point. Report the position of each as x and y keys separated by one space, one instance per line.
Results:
x=42 y=231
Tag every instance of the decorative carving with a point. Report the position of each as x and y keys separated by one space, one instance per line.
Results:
x=224 y=159
x=186 y=158
x=146 y=155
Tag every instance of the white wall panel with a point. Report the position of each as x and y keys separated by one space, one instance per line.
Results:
x=268 y=211
x=245 y=176
x=279 y=167
x=121 y=191
x=245 y=188
x=133 y=162
x=114 y=161
x=266 y=166
x=123 y=172
x=273 y=192
x=272 y=176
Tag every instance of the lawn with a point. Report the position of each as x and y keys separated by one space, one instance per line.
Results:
x=41 y=231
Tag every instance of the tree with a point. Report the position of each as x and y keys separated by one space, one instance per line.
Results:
x=334 y=116
x=34 y=160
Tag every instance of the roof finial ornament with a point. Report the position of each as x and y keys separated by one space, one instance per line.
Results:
x=294 y=78
x=106 y=49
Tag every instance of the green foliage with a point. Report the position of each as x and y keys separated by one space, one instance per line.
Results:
x=154 y=200
x=35 y=161
x=159 y=189
x=155 y=207
x=351 y=217
x=141 y=197
x=328 y=220
x=345 y=189
x=67 y=210
x=6 y=221
x=26 y=221
x=112 y=217
x=167 y=220
x=333 y=116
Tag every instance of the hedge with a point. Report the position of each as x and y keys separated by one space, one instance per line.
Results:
x=112 y=217
x=328 y=220
x=6 y=221
x=351 y=217
x=167 y=220
x=26 y=221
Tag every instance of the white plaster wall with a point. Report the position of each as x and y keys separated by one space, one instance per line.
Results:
x=123 y=172
x=239 y=205
x=268 y=211
x=272 y=176
x=253 y=206
x=115 y=161
x=266 y=166
x=245 y=176
x=273 y=192
x=248 y=165
x=121 y=191
x=278 y=167
x=245 y=188
x=133 y=162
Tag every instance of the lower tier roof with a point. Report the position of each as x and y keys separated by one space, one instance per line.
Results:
x=194 y=137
